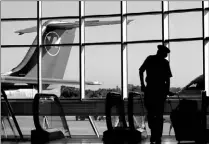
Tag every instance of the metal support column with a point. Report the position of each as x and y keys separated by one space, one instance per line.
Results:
x=39 y=42
x=82 y=48
x=205 y=33
x=124 y=75
x=165 y=25
x=82 y=58
x=205 y=4
x=93 y=126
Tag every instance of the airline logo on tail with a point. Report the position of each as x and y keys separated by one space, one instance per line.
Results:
x=52 y=38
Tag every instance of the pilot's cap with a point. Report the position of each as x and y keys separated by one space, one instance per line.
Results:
x=163 y=48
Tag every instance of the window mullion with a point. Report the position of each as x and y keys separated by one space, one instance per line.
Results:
x=206 y=44
x=165 y=24
x=39 y=43
x=124 y=48
x=82 y=48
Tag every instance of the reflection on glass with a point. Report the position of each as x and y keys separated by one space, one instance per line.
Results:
x=143 y=6
x=144 y=28
x=186 y=62
x=103 y=64
x=185 y=25
x=184 y=4
x=63 y=8
x=102 y=7
x=20 y=9
x=103 y=32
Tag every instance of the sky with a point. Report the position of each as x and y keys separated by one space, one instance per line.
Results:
x=103 y=62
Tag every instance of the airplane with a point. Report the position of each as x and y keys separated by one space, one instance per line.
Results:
x=54 y=58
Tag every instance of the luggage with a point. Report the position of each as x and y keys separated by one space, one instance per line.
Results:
x=186 y=121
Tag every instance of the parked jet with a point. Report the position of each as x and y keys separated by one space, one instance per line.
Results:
x=54 y=58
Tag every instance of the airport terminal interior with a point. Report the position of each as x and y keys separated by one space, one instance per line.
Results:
x=70 y=70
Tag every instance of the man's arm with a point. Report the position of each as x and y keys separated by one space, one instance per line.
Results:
x=141 y=75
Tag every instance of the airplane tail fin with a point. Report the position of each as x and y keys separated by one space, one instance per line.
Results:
x=54 y=58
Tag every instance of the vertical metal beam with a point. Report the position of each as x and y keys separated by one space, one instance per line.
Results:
x=82 y=48
x=165 y=24
x=206 y=44
x=124 y=69
x=39 y=42
x=93 y=126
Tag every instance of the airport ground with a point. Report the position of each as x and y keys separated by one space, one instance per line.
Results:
x=81 y=131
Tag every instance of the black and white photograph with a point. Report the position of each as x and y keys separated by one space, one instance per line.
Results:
x=104 y=72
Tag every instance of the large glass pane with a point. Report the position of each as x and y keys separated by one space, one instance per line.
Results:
x=20 y=9
x=102 y=7
x=103 y=32
x=143 y=6
x=144 y=28
x=186 y=61
x=184 y=4
x=103 y=64
x=9 y=35
x=185 y=25
x=62 y=8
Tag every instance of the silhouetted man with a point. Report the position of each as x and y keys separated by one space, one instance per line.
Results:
x=156 y=90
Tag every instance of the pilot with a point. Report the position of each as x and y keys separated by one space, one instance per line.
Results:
x=157 y=87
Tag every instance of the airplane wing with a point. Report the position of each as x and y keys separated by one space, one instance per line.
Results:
x=28 y=80
x=70 y=25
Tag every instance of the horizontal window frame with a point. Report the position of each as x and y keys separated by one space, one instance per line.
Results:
x=20 y=46
x=183 y=10
x=101 y=16
x=112 y=42
x=18 y=19
x=144 y=13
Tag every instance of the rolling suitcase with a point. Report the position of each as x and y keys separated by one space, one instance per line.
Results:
x=186 y=121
